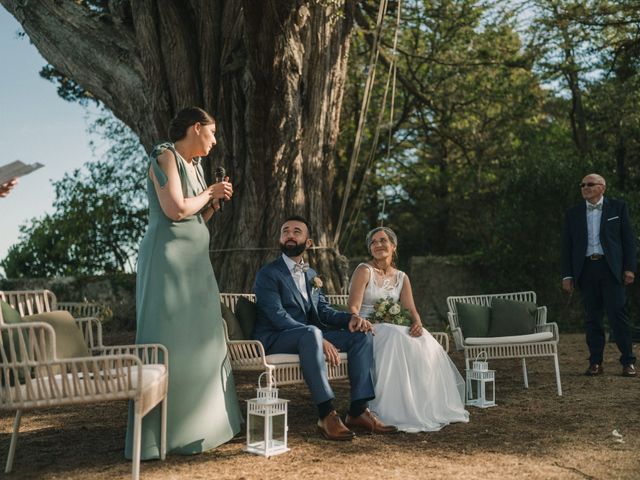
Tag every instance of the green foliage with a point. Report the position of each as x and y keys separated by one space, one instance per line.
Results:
x=67 y=89
x=100 y=215
x=498 y=115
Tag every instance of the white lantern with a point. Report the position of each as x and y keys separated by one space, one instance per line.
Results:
x=479 y=380
x=267 y=420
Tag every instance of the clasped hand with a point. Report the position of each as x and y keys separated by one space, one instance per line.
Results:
x=359 y=324
x=221 y=190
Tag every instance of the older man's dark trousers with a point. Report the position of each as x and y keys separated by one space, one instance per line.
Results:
x=602 y=293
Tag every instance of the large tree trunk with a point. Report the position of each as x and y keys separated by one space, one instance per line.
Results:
x=271 y=71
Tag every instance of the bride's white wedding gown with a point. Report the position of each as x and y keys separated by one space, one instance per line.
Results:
x=417 y=386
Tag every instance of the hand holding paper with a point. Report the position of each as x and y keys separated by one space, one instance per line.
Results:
x=9 y=175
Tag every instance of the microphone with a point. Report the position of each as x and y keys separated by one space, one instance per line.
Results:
x=220 y=174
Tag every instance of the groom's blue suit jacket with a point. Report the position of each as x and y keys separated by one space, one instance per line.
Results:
x=616 y=238
x=282 y=307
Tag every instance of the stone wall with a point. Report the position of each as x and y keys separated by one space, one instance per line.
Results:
x=433 y=279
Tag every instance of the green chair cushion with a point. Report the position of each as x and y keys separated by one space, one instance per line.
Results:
x=512 y=317
x=246 y=313
x=474 y=319
x=234 y=329
x=9 y=314
x=69 y=340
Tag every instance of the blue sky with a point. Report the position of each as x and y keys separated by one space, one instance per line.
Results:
x=35 y=126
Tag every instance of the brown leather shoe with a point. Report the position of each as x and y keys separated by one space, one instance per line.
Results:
x=332 y=428
x=594 y=369
x=629 y=370
x=368 y=423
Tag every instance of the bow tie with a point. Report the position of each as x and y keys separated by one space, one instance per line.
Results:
x=300 y=268
x=594 y=207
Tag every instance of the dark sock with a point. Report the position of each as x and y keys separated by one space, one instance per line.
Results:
x=325 y=408
x=357 y=408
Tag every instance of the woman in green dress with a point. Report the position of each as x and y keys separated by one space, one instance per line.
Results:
x=177 y=296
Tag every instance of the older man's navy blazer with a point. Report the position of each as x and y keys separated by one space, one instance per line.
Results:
x=616 y=238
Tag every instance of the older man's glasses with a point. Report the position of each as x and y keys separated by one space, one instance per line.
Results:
x=590 y=184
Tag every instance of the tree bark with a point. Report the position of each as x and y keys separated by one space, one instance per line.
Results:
x=271 y=71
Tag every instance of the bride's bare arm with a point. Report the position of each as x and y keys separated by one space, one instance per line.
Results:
x=359 y=282
x=406 y=300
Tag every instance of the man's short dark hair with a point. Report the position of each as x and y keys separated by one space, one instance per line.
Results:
x=301 y=219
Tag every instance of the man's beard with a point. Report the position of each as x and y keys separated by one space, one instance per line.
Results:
x=293 y=250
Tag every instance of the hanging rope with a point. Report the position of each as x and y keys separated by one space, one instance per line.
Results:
x=357 y=203
x=373 y=61
x=391 y=79
x=394 y=66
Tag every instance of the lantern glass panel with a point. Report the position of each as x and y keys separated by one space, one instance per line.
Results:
x=256 y=432
x=278 y=428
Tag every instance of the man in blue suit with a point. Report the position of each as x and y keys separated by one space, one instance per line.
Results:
x=294 y=317
x=599 y=256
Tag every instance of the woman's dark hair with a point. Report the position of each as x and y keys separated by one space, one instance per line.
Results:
x=184 y=119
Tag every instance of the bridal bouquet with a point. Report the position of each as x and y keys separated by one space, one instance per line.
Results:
x=389 y=311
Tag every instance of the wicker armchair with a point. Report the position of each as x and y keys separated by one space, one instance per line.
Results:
x=542 y=343
x=34 y=377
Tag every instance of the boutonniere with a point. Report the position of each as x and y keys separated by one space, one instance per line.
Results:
x=316 y=283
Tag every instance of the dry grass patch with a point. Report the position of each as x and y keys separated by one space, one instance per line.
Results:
x=530 y=434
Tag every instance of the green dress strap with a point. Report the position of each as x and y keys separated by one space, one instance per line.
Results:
x=159 y=173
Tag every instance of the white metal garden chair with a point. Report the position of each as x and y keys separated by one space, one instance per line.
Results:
x=542 y=343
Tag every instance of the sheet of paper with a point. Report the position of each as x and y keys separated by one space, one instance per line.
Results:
x=17 y=169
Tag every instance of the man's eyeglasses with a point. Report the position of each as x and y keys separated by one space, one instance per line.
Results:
x=590 y=184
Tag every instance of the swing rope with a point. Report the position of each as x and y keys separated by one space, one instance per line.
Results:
x=373 y=61
x=391 y=81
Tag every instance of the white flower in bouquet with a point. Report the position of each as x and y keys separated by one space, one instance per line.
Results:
x=389 y=311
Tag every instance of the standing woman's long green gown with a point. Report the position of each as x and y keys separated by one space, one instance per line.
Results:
x=178 y=306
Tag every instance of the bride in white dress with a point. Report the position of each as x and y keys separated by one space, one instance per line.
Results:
x=417 y=386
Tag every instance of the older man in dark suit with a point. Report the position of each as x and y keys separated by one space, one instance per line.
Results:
x=599 y=256
x=294 y=317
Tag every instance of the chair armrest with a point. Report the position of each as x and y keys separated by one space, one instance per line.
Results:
x=549 y=327
x=91 y=328
x=148 y=354
x=458 y=338
x=246 y=352
x=541 y=316
x=103 y=366
x=453 y=320
x=85 y=379
x=442 y=338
